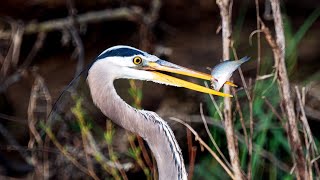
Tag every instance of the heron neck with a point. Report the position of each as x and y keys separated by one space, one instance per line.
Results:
x=146 y=124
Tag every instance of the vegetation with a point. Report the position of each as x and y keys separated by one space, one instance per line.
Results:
x=263 y=135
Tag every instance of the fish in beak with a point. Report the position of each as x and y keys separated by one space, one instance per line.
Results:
x=160 y=65
x=223 y=71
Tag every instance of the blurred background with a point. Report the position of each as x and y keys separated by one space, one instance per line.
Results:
x=45 y=43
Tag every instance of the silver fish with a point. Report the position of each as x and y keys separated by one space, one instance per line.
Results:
x=223 y=71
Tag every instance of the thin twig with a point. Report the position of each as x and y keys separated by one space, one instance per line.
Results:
x=274 y=111
x=192 y=154
x=144 y=151
x=79 y=50
x=32 y=109
x=198 y=138
x=246 y=89
x=214 y=103
x=262 y=152
x=192 y=162
x=267 y=14
x=250 y=97
x=64 y=151
x=35 y=49
x=13 y=119
x=313 y=150
x=109 y=138
x=94 y=149
x=189 y=142
x=304 y=119
x=85 y=143
x=258 y=38
x=17 y=75
x=238 y=107
x=315 y=159
x=137 y=155
x=146 y=25
x=211 y=138
x=25 y=148
x=12 y=57
x=16 y=41
x=32 y=120
x=12 y=141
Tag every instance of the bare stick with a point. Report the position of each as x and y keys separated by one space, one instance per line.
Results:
x=17 y=75
x=238 y=108
x=144 y=151
x=214 y=103
x=16 y=41
x=198 y=138
x=304 y=119
x=301 y=169
x=14 y=119
x=189 y=143
x=137 y=155
x=225 y=12
x=109 y=136
x=34 y=134
x=12 y=57
x=192 y=154
x=262 y=152
x=211 y=137
x=313 y=151
x=274 y=111
x=32 y=120
x=258 y=38
x=192 y=161
x=131 y=14
x=39 y=103
x=147 y=23
x=79 y=51
x=35 y=49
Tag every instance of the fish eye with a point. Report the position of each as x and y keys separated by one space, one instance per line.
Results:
x=137 y=60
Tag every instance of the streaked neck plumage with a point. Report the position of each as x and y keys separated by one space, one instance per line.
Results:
x=146 y=124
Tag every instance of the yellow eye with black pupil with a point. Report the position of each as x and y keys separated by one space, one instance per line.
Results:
x=137 y=60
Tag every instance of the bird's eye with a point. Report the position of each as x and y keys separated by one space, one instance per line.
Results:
x=137 y=60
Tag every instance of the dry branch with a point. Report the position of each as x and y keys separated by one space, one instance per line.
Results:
x=131 y=14
x=225 y=13
x=79 y=48
x=35 y=49
x=192 y=154
x=39 y=107
x=256 y=148
x=198 y=138
x=12 y=57
x=278 y=48
x=211 y=137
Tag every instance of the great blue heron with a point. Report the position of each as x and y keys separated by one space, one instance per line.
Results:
x=130 y=63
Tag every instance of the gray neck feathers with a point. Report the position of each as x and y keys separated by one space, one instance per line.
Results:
x=146 y=124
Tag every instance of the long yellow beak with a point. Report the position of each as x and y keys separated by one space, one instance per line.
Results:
x=166 y=66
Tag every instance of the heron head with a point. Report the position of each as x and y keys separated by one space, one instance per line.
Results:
x=131 y=63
